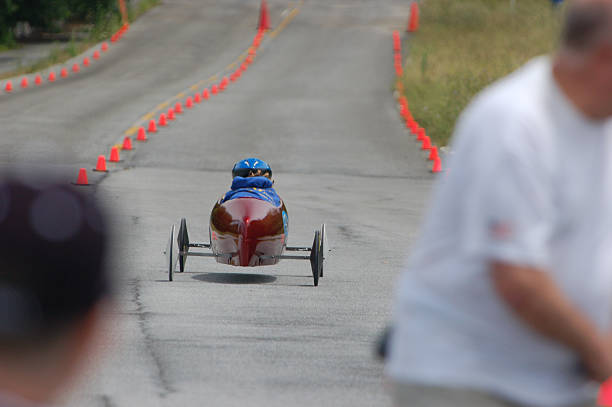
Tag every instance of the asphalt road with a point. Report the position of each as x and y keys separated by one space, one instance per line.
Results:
x=317 y=105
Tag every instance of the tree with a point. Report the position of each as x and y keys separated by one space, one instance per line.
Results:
x=50 y=14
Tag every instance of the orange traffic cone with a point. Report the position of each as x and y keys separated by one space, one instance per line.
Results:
x=114 y=155
x=38 y=80
x=244 y=66
x=152 y=126
x=433 y=154
x=437 y=167
x=51 y=76
x=64 y=73
x=101 y=165
x=127 y=144
x=142 y=134
x=414 y=127
x=96 y=54
x=403 y=101
x=426 y=143
x=75 y=68
x=206 y=93
x=82 y=178
x=197 y=98
x=162 y=120
x=24 y=82
x=264 y=23
x=85 y=61
x=171 y=114
x=9 y=86
x=214 y=89
x=413 y=22
x=396 y=41
x=104 y=46
x=178 y=108
x=114 y=37
x=189 y=102
x=420 y=132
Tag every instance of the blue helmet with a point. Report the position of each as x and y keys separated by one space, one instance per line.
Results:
x=246 y=167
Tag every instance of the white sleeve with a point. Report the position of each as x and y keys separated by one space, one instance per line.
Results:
x=508 y=211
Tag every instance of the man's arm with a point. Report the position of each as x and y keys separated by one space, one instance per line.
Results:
x=538 y=302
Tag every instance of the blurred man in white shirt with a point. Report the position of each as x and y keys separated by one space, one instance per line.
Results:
x=507 y=297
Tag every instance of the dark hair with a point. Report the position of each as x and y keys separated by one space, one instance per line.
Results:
x=585 y=23
x=53 y=240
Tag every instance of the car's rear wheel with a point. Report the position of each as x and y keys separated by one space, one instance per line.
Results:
x=183 y=244
x=316 y=261
x=323 y=248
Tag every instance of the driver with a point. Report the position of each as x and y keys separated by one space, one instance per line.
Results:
x=252 y=178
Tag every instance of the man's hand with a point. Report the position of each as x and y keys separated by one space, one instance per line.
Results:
x=537 y=300
x=598 y=360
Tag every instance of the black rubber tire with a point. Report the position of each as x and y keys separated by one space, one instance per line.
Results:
x=170 y=268
x=315 y=257
x=323 y=248
x=183 y=244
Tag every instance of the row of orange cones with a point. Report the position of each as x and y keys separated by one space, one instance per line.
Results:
x=164 y=118
x=38 y=80
x=411 y=124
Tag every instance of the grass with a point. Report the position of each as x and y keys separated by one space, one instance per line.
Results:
x=101 y=30
x=463 y=46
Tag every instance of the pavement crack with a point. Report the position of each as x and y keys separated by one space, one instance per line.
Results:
x=143 y=317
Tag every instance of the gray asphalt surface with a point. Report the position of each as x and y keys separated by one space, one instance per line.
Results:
x=317 y=105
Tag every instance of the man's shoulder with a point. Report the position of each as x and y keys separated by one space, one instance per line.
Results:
x=520 y=94
x=510 y=112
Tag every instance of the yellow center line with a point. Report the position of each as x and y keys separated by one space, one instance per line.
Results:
x=285 y=22
x=148 y=116
x=131 y=131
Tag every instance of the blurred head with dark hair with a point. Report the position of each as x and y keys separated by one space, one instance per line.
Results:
x=583 y=66
x=53 y=284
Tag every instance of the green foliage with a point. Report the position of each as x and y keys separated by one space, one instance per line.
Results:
x=104 y=23
x=7 y=10
x=463 y=46
x=49 y=15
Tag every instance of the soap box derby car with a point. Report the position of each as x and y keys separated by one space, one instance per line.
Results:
x=245 y=232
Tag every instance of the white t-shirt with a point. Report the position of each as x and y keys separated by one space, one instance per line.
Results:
x=531 y=184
